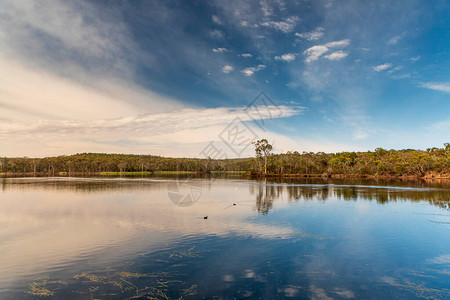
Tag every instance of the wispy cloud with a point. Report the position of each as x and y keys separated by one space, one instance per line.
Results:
x=33 y=94
x=251 y=70
x=394 y=40
x=341 y=43
x=37 y=30
x=76 y=33
x=337 y=55
x=216 y=34
x=441 y=125
x=266 y=8
x=285 y=26
x=360 y=134
x=68 y=61
x=179 y=128
x=216 y=19
x=220 y=50
x=437 y=86
x=246 y=55
x=382 y=67
x=396 y=69
x=167 y=122
x=314 y=35
x=286 y=57
x=227 y=69
x=315 y=52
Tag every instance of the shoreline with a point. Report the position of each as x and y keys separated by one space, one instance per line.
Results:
x=243 y=173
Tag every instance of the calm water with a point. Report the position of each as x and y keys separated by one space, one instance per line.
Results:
x=91 y=238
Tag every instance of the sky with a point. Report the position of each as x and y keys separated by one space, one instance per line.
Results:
x=206 y=78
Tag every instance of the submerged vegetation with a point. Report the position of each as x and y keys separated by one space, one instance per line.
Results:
x=430 y=163
x=41 y=288
x=112 y=283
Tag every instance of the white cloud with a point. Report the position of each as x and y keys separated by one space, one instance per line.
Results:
x=67 y=24
x=174 y=132
x=87 y=74
x=401 y=76
x=246 y=55
x=382 y=67
x=337 y=55
x=329 y=4
x=328 y=119
x=216 y=34
x=315 y=52
x=248 y=72
x=360 y=135
x=286 y=57
x=220 y=50
x=285 y=26
x=314 y=35
x=396 y=69
x=341 y=43
x=33 y=94
x=165 y=122
x=415 y=58
x=266 y=8
x=251 y=70
x=394 y=40
x=35 y=30
x=437 y=86
x=441 y=125
x=216 y=19
x=227 y=69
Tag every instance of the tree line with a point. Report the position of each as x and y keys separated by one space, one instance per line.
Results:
x=381 y=162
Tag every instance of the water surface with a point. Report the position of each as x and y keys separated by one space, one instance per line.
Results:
x=140 y=238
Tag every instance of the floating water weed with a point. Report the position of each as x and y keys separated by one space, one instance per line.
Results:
x=191 y=291
x=191 y=252
x=38 y=288
x=122 y=284
x=41 y=288
x=135 y=275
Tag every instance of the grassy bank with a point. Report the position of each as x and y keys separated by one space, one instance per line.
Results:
x=339 y=176
x=229 y=172
x=170 y=173
x=242 y=173
x=147 y=173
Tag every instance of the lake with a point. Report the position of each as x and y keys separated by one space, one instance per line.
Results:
x=223 y=238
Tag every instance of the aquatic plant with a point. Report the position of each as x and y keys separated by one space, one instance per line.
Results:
x=42 y=287
x=125 y=284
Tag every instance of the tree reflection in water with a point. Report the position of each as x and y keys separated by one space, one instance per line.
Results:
x=267 y=192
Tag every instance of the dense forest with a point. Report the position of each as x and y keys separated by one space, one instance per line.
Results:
x=433 y=162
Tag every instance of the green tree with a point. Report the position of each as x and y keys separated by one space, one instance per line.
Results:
x=263 y=149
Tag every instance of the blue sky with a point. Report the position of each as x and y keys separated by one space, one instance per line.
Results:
x=166 y=77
